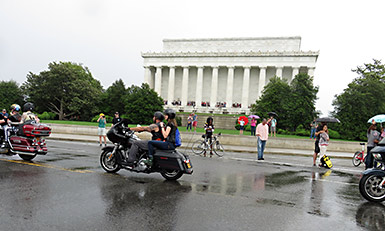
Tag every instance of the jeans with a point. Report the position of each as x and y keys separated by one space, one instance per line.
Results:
x=134 y=150
x=312 y=133
x=369 y=158
x=189 y=125
x=261 y=147
x=158 y=144
x=252 y=130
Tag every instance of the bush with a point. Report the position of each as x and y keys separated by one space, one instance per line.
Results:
x=334 y=134
x=178 y=121
x=47 y=116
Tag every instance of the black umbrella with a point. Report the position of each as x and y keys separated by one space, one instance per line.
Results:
x=327 y=120
x=272 y=114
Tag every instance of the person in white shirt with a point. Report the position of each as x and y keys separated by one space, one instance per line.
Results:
x=262 y=133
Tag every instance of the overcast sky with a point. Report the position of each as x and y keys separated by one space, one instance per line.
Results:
x=109 y=36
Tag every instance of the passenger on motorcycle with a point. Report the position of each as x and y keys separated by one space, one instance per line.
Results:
x=3 y=127
x=168 y=132
x=14 y=114
x=28 y=113
x=156 y=132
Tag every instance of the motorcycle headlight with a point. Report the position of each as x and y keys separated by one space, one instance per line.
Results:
x=377 y=156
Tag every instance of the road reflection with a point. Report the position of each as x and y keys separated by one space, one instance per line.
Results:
x=150 y=205
x=317 y=194
x=371 y=216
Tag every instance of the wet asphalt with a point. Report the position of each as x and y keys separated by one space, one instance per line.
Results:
x=68 y=190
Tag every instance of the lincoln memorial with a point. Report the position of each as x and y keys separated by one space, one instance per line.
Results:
x=224 y=75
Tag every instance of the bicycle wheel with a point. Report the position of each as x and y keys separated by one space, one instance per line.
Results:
x=198 y=147
x=218 y=149
x=356 y=161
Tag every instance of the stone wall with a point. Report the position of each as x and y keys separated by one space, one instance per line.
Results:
x=221 y=122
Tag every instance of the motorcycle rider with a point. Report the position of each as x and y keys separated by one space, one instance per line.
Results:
x=14 y=118
x=168 y=132
x=3 y=127
x=28 y=115
x=14 y=114
x=156 y=132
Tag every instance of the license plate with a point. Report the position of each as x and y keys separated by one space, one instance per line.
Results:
x=188 y=165
x=37 y=138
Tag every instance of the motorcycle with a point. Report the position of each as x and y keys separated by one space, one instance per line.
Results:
x=372 y=182
x=26 y=140
x=171 y=164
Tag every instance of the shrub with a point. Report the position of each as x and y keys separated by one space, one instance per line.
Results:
x=334 y=134
x=47 y=116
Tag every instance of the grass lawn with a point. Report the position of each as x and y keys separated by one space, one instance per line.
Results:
x=182 y=129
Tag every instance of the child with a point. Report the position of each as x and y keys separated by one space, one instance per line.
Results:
x=209 y=128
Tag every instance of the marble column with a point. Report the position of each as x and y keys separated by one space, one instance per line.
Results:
x=310 y=71
x=229 y=89
x=245 y=88
x=171 y=86
x=214 y=87
x=147 y=75
x=185 y=85
x=158 y=80
x=198 y=94
x=295 y=72
x=278 y=71
x=262 y=80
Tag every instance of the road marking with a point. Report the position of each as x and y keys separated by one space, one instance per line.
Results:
x=46 y=166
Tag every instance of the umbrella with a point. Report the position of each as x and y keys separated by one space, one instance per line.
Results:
x=254 y=117
x=327 y=120
x=378 y=118
x=272 y=114
x=244 y=118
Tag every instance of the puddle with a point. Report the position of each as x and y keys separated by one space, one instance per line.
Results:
x=265 y=201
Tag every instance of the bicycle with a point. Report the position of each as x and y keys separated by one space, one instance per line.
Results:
x=204 y=145
x=359 y=157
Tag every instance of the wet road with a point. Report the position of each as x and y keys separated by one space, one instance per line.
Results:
x=68 y=190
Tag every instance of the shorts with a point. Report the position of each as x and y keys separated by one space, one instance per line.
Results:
x=195 y=123
x=101 y=131
x=272 y=129
x=241 y=128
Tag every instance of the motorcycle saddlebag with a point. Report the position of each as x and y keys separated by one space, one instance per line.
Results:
x=168 y=159
x=21 y=144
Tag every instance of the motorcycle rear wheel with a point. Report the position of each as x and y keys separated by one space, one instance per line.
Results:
x=171 y=174
x=370 y=190
x=27 y=157
x=108 y=162
x=355 y=160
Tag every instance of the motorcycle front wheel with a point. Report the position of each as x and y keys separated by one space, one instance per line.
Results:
x=27 y=157
x=108 y=161
x=171 y=174
x=371 y=189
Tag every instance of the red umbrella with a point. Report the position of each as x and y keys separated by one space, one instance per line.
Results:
x=244 y=118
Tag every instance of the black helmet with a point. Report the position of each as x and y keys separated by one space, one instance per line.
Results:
x=209 y=119
x=170 y=113
x=28 y=107
x=159 y=115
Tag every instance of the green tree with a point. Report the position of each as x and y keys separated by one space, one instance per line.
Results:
x=363 y=98
x=302 y=102
x=275 y=97
x=294 y=103
x=113 y=98
x=67 y=89
x=141 y=103
x=10 y=93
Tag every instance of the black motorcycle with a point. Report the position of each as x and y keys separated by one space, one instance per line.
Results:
x=372 y=183
x=171 y=164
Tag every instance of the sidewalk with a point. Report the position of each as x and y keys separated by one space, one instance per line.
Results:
x=228 y=148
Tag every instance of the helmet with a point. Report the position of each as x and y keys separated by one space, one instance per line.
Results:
x=28 y=107
x=15 y=107
x=159 y=115
x=209 y=119
x=170 y=113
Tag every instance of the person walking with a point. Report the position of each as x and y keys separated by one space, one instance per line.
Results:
x=116 y=119
x=102 y=129
x=313 y=127
x=253 y=123
x=373 y=139
x=316 y=144
x=262 y=133
x=189 y=122
x=273 y=127
x=324 y=140
x=195 y=122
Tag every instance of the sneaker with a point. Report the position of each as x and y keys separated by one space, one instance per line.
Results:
x=105 y=145
x=100 y=145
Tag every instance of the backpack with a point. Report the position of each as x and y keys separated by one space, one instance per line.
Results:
x=178 y=139
x=326 y=162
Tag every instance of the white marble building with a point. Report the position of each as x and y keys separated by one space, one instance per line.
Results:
x=223 y=75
